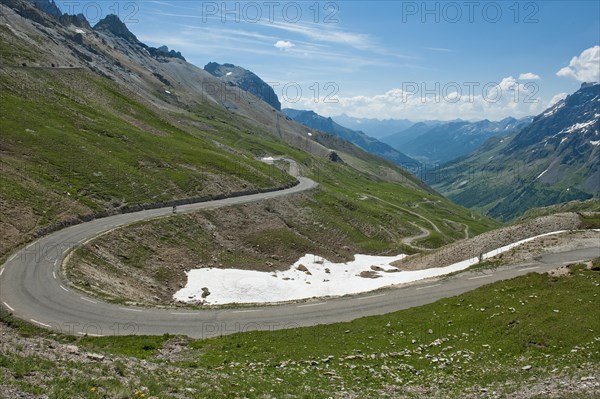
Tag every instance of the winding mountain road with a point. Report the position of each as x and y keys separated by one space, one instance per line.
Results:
x=31 y=287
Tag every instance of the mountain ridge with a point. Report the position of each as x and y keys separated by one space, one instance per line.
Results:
x=150 y=130
x=245 y=80
x=313 y=120
x=376 y=128
x=553 y=159
x=439 y=142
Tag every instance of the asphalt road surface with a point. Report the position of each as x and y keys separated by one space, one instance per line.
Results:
x=32 y=288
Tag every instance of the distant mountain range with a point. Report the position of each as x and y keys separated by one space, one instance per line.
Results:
x=432 y=141
x=553 y=159
x=376 y=128
x=313 y=120
x=440 y=142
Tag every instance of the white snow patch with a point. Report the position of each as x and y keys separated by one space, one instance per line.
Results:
x=563 y=140
x=167 y=91
x=248 y=286
x=79 y=30
x=309 y=133
x=578 y=126
x=597 y=142
x=228 y=73
x=268 y=160
x=541 y=174
x=553 y=110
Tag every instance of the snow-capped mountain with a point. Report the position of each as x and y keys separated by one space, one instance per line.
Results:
x=553 y=159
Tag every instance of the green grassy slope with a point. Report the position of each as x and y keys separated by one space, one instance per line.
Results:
x=76 y=143
x=68 y=152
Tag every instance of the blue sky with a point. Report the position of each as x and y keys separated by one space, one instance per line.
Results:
x=385 y=59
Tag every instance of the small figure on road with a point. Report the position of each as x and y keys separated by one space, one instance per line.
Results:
x=174 y=208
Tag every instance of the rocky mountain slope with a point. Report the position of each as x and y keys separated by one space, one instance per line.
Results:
x=245 y=80
x=440 y=142
x=554 y=159
x=313 y=120
x=96 y=122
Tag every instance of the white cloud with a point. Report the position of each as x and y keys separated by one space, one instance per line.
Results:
x=440 y=49
x=585 y=67
x=557 y=98
x=421 y=101
x=323 y=33
x=284 y=45
x=529 y=76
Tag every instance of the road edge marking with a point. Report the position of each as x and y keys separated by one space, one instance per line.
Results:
x=40 y=323
x=131 y=309
x=529 y=268
x=478 y=277
x=369 y=297
x=429 y=286
x=311 y=304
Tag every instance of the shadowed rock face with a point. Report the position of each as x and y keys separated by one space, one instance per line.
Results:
x=334 y=157
x=245 y=80
x=48 y=7
x=163 y=51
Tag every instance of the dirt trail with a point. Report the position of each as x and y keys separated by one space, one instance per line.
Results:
x=409 y=240
x=406 y=210
x=485 y=242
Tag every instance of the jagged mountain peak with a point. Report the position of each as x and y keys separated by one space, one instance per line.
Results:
x=113 y=24
x=48 y=7
x=78 y=20
x=577 y=113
